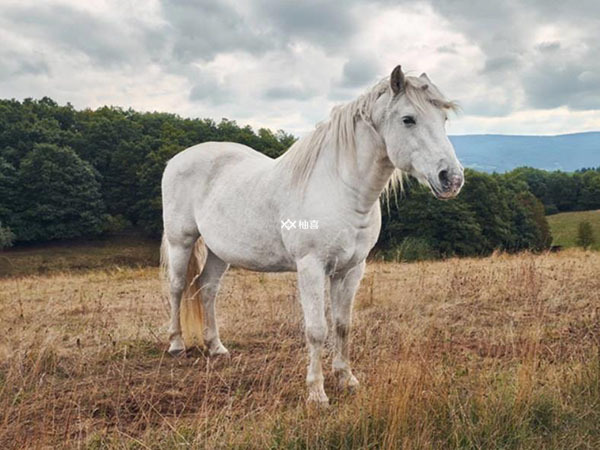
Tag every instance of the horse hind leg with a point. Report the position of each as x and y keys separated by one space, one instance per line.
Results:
x=178 y=252
x=209 y=282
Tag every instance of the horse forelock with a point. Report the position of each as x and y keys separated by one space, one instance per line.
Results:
x=423 y=94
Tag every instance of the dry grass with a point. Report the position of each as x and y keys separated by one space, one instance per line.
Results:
x=472 y=353
x=124 y=250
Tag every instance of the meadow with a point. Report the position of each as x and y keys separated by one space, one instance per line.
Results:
x=463 y=353
x=564 y=227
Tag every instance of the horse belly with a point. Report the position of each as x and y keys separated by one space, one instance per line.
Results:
x=244 y=233
x=252 y=251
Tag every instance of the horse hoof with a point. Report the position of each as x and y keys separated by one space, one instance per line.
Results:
x=220 y=351
x=177 y=352
x=318 y=399
x=349 y=383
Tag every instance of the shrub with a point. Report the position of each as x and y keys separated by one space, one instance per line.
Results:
x=585 y=235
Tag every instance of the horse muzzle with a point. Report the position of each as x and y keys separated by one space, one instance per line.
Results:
x=448 y=184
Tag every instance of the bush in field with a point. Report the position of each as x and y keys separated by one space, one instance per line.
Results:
x=585 y=235
x=59 y=194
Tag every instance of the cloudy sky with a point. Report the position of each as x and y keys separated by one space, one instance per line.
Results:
x=519 y=67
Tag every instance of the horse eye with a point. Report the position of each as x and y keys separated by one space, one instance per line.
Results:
x=409 y=120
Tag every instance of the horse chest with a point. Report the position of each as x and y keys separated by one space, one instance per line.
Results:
x=352 y=245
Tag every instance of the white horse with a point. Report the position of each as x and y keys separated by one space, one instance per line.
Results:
x=314 y=210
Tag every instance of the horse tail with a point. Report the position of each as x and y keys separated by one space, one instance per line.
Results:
x=191 y=310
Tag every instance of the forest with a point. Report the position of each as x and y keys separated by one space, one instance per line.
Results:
x=67 y=173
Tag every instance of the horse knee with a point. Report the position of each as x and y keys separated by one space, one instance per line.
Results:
x=177 y=287
x=316 y=334
x=209 y=293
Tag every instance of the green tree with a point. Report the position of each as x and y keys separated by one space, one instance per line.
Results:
x=531 y=229
x=59 y=194
x=449 y=228
x=585 y=235
x=589 y=198
x=487 y=199
x=564 y=190
x=8 y=191
x=149 y=178
x=529 y=226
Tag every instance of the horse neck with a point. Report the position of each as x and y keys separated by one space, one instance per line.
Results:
x=362 y=181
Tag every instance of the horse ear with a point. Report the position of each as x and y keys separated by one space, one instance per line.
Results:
x=424 y=76
x=397 y=80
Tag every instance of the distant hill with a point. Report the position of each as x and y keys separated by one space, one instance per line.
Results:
x=501 y=153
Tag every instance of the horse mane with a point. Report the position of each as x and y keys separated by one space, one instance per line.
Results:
x=302 y=156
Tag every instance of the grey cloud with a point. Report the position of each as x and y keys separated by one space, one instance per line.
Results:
x=325 y=24
x=549 y=86
x=501 y=63
x=502 y=30
x=580 y=11
x=72 y=29
x=194 y=32
x=13 y=64
x=487 y=107
x=38 y=67
x=548 y=46
x=563 y=75
x=288 y=92
x=202 y=29
x=359 y=71
x=447 y=49
x=549 y=74
x=208 y=90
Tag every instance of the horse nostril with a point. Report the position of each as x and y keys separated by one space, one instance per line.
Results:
x=443 y=175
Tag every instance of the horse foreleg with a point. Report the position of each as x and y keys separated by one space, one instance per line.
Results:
x=343 y=289
x=311 y=283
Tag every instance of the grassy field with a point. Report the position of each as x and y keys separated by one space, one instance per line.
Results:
x=564 y=227
x=80 y=255
x=501 y=352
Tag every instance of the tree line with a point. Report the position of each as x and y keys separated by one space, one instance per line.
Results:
x=492 y=212
x=562 y=191
x=67 y=173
